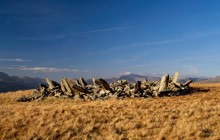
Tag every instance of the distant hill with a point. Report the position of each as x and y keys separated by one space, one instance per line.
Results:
x=197 y=79
x=130 y=78
x=211 y=80
x=137 y=77
x=13 y=83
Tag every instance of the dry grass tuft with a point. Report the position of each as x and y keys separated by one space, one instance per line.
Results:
x=193 y=116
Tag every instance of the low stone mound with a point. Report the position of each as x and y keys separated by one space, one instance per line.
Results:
x=101 y=90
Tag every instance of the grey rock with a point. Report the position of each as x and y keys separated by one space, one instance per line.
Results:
x=78 y=83
x=78 y=89
x=52 y=84
x=66 y=85
x=164 y=83
x=175 y=77
x=101 y=90
x=104 y=84
x=83 y=82
x=187 y=83
x=137 y=87
x=63 y=88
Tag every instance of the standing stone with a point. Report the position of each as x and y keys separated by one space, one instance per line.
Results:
x=137 y=87
x=70 y=83
x=187 y=83
x=83 y=82
x=175 y=77
x=94 y=80
x=63 y=87
x=52 y=84
x=104 y=84
x=78 y=89
x=43 y=89
x=164 y=83
x=144 y=81
x=77 y=82
x=66 y=85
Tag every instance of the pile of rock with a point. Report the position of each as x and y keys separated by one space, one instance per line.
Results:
x=101 y=90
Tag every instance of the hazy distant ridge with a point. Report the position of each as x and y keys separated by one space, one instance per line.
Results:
x=13 y=83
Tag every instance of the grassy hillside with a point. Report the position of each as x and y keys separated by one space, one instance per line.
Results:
x=193 y=116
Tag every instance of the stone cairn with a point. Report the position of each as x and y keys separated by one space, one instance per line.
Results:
x=101 y=90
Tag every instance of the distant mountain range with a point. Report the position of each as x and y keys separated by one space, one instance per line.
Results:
x=130 y=78
x=138 y=77
x=13 y=83
x=212 y=80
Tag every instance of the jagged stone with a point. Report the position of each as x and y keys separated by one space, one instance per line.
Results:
x=104 y=84
x=187 y=83
x=137 y=87
x=92 y=97
x=57 y=93
x=101 y=90
x=164 y=83
x=78 y=83
x=95 y=82
x=63 y=88
x=52 y=84
x=144 y=81
x=70 y=83
x=28 y=98
x=83 y=82
x=155 y=88
x=78 y=89
x=66 y=85
x=42 y=89
x=175 y=77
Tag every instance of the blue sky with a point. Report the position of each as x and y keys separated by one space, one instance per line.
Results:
x=69 y=38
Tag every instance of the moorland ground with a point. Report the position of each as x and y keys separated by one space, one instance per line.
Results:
x=194 y=116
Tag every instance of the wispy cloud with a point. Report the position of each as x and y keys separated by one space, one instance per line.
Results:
x=52 y=37
x=109 y=29
x=134 y=45
x=176 y=62
x=15 y=60
x=156 y=43
x=61 y=36
x=44 y=69
x=202 y=34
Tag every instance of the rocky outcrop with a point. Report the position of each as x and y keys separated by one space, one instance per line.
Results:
x=101 y=90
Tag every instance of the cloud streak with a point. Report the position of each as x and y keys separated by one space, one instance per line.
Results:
x=155 y=43
x=134 y=45
x=44 y=69
x=109 y=29
x=175 y=62
x=61 y=36
x=14 y=60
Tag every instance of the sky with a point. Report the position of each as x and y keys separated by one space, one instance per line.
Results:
x=98 y=38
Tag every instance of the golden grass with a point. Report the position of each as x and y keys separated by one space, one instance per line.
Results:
x=195 y=116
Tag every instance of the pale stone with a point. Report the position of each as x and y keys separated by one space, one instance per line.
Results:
x=164 y=83
x=66 y=85
x=83 y=82
x=175 y=77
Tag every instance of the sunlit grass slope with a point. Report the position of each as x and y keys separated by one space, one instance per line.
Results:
x=195 y=116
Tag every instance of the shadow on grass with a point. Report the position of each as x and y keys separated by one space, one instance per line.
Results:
x=194 y=90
